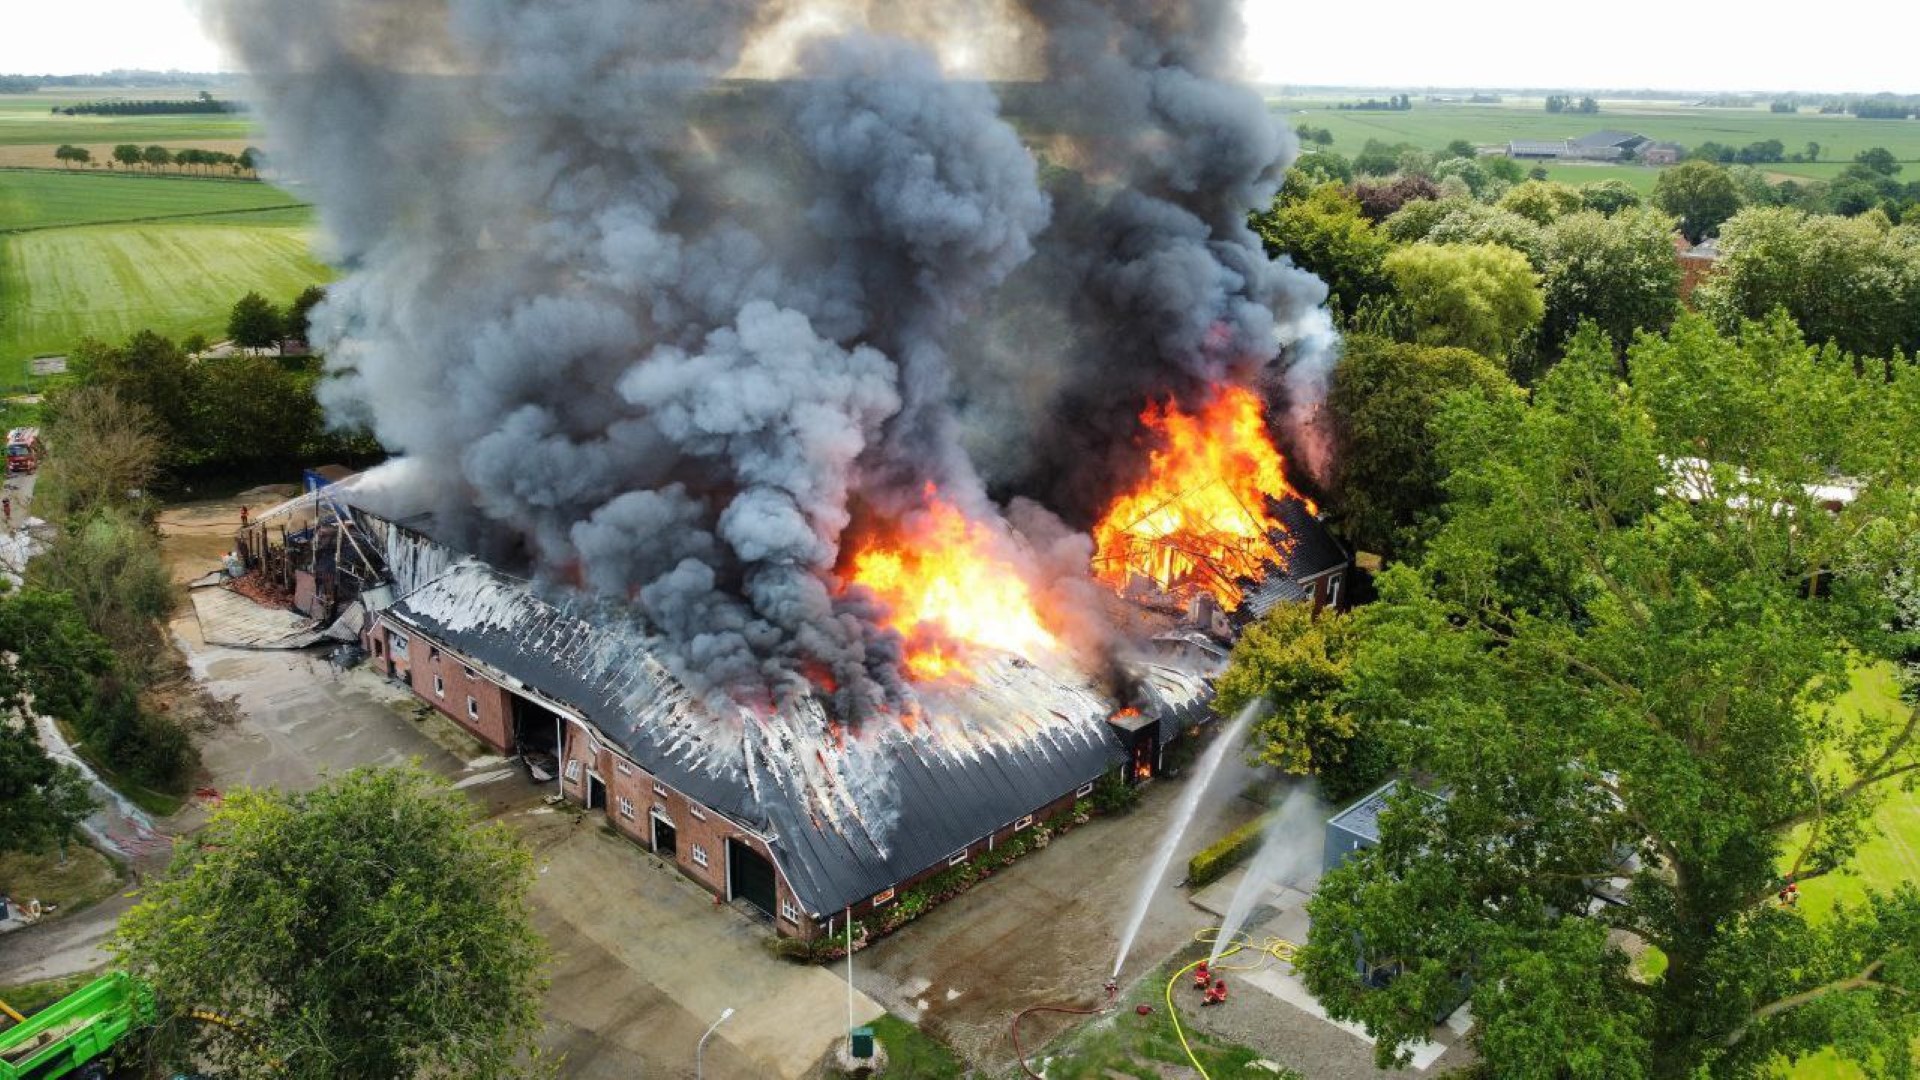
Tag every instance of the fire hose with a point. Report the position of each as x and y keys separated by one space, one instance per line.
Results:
x=1113 y=990
x=1273 y=948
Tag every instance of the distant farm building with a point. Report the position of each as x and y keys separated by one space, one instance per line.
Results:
x=1607 y=146
x=1662 y=153
x=1527 y=149
x=1597 y=146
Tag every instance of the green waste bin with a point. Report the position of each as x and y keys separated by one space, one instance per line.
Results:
x=862 y=1043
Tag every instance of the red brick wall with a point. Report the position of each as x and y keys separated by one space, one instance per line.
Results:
x=425 y=659
x=693 y=823
x=1692 y=273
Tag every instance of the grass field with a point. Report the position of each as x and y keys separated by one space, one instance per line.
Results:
x=58 y=285
x=28 y=118
x=1431 y=126
x=1884 y=860
x=84 y=254
x=37 y=200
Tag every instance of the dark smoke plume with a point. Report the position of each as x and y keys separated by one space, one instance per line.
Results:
x=665 y=334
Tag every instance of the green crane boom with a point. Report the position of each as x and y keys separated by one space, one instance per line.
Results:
x=79 y=1028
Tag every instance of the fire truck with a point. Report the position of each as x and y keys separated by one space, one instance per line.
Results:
x=24 y=450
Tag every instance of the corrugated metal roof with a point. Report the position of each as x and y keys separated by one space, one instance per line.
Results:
x=1362 y=819
x=1529 y=146
x=1607 y=137
x=845 y=820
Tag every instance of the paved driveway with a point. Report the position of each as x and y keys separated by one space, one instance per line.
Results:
x=1046 y=930
x=643 y=959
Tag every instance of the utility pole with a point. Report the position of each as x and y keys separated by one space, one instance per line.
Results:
x=849 y=975
x=699 y=1051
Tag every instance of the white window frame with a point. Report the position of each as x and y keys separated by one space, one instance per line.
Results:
x=473 y=706
x=957 y=857
x=439 y=686
x=883 y=897
x=1333 y=590
x=697 y=853
x=573 y=770
x=1023 y=824
x=1084 y=791
x=789 y=912
x=626 y=807
x=433 y=654
x=397 y=642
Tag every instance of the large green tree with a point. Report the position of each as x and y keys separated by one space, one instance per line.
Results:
x=1542 y=201
x=1383 y=406
x=1620 y=659
x=370 y=927
x=1618 y=272
x=1842 y=279
x=254 y=322
x=1295 y=661
x=1700 y=193
x=1326 y=234
x=1482 y=297
x=50 y=659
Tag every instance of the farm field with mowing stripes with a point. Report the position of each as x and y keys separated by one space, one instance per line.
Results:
x=38 y=200
x=89 y=254
x=1431 y=126
x=107 y=281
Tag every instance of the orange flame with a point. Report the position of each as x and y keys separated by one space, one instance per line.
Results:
x=947 y=586
x=1198 y=519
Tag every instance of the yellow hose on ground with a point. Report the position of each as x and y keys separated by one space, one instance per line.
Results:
x=1273 y=948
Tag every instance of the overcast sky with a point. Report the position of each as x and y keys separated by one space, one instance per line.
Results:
x=1701 y=45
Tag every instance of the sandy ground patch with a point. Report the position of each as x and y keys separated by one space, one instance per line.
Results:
x=40 y=155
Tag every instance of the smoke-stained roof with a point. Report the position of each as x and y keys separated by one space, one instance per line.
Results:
x=845 y=822
x=1310 y=551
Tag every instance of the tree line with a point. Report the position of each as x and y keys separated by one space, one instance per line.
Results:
x=1394 y=103
x=155 y=157
x=1562 y=103
x=204 y=104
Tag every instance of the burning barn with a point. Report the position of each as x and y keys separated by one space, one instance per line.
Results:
x=832 y=471
x=753 y=804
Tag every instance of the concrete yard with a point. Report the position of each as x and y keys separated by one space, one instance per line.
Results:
x=643 y=959
x=1044 y=930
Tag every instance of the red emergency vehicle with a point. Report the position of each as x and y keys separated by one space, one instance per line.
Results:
x=24 y=450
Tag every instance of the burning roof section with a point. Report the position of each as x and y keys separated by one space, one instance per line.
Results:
x=1310 y=551
x=848 y=816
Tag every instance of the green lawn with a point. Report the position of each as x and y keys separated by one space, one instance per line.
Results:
x=107 y=281
x=39 y=199
x=1640 y=176
x=1883 y=861
x=26 y=119
x=1431 y=126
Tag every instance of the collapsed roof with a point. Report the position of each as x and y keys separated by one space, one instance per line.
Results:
x=846 y=818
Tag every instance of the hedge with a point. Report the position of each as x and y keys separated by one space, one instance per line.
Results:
x=1211 y=863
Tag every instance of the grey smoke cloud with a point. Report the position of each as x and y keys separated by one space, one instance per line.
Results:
x=669 y=336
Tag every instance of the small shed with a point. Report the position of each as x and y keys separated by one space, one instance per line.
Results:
x=1358 y=826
